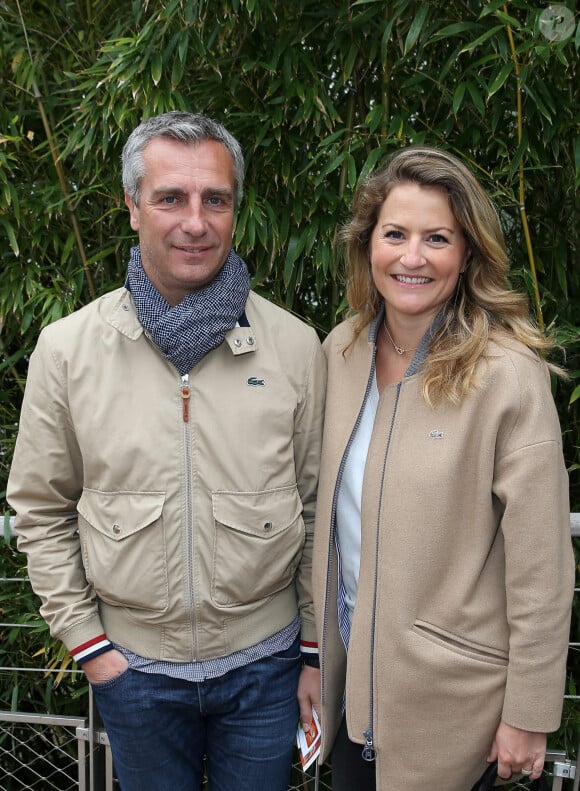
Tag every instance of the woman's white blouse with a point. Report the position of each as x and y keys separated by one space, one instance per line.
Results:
x=348 y=509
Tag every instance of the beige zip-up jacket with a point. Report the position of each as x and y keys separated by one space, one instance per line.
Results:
x=181 y=527
x=466 y=574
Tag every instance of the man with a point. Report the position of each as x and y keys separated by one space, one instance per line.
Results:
x=164 y=480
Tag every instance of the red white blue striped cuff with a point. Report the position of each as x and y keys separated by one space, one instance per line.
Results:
x=308 y=648
x=309 y=653
x=91 y=649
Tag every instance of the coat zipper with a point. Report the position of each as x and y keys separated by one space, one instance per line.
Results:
x=368 y=751
x=332 y=538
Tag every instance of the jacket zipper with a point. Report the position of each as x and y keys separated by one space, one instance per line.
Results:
x=185 y=404
x=332 y=538
x=185 y=394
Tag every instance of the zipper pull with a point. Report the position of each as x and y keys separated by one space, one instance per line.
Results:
x=368 y=751
x=185 y=393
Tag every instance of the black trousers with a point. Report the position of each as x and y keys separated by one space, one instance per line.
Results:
x=350 y=772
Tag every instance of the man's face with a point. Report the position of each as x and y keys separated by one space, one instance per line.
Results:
x=185 y=217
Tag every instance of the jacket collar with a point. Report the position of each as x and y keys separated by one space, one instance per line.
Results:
x=123 y=317
x=242 y=339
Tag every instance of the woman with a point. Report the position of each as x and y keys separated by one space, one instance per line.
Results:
x=443 y=558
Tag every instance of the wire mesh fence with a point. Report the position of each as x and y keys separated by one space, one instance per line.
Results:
x=41 y=753
x=52 y=753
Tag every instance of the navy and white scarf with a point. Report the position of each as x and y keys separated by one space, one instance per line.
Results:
x=186 y=332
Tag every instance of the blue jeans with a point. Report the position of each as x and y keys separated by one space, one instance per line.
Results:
x=244 y=723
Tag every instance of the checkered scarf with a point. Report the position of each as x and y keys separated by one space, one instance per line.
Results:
x=188 y=331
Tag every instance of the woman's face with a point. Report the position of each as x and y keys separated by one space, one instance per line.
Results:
x=417 y=250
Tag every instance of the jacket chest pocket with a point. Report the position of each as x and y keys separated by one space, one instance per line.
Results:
x=258 y=541
x=123 y=545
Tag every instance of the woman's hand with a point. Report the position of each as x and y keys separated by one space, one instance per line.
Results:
x=518 y=751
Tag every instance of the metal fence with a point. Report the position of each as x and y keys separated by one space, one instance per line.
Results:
x=43 y=752
x=48 y=753
x=56 y=753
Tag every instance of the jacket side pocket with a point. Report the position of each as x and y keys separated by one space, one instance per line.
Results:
x=123 y=545
x=460 y=645
x=258 y=543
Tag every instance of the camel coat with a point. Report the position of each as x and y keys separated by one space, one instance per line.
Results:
x=466 y=575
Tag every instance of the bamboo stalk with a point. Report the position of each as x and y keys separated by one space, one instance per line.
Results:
x=59 y=168
x=522 y=205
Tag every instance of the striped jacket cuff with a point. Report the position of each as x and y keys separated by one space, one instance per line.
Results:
x=308 y=648
x=309 y=653
x=92 y=648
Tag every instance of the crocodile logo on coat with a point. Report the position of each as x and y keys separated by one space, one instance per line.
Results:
x=435 y=434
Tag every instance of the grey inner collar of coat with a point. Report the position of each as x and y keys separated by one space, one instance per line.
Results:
x=422 y=348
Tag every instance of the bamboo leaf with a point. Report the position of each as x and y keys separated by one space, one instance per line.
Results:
x=481 y=39
x=458 y=97
x=455 y=30
x=416 y=28
x=491 y=7
x=476 y=98
x=575 y=394
x=68 y=246
x=370 y=162
x=374 y=118
x=500 y=78
x=177 y=71
x=350 y=60
x=295 y=248
x=352 y=176
x=507 y=19
x=11 y=234
x=334 y=163
x=156 y=67
x=538 y=103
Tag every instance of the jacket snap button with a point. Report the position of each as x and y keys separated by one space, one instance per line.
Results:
x=116 y=529
x=267 y=525
x=237 y=342
x=250 y=341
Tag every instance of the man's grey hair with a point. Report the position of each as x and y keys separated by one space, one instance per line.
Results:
x=185 y=127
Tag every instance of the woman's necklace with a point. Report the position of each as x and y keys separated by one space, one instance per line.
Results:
x=399 y=349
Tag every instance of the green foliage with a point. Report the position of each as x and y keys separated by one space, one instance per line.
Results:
x=317 y=94
x=26 y=646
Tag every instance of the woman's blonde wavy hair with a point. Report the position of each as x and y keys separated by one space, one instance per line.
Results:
x=483 y=305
